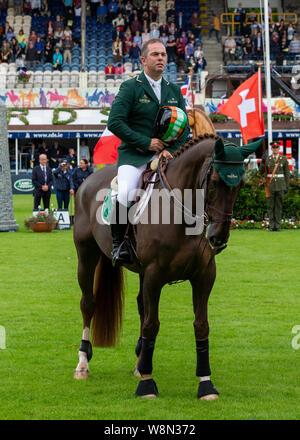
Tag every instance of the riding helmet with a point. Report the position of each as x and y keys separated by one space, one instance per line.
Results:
x=170 y=123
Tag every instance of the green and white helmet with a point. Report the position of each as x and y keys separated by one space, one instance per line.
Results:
x=170 y=123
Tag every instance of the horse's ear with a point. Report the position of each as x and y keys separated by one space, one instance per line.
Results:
x=250 y=148
x=219 y=149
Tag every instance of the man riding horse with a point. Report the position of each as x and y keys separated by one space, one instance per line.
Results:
x=132 y=119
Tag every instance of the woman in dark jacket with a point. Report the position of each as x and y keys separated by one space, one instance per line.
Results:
x=64 y=185
x=81 y=173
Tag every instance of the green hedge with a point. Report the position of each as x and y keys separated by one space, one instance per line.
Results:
x=252 y=204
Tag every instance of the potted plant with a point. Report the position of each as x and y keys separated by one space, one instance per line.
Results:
x=23 y=77
x=43 y=221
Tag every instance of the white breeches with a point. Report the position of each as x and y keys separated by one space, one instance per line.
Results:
x=128 y=179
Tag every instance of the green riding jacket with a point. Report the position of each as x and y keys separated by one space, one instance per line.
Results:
x=132 y=118
x=281 y=178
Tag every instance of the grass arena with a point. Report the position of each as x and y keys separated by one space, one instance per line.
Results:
x=253 y=316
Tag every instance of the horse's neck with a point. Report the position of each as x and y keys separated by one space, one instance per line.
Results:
x=185 y=171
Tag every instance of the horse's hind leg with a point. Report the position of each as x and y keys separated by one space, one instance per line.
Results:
x=88 y=257
x=138 y=347
x=202 y=285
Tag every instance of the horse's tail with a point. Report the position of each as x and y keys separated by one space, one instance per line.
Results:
x=109 y=300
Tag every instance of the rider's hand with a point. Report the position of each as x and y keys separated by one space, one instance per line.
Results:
x=166 y=154
x=157 y=145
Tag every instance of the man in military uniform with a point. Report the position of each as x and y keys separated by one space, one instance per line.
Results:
x=278 y=175
x=131 y=119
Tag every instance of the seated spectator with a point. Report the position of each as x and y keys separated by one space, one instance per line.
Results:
x=138 y=39
x=15 y=49
x=57 y=59
x=245 y=29
x=48 y=51
x=154 y=33
x=26 y=8
x=32 y=37
x=164 y=28
x=191 y=64
x=58 y=23
x=171 y=15
x=81 y=173
x=136 y=25
x=255 y=25
x=20 y=64
x=252 y=17
x=49 y=28
x=10 y=34
x=119 y=21
x=274 y=46
x=127 y=41
x=67 y=47
x=198 y=52
x=284 y=43
x=239 y=52
x=294 y=48
x=31 y=56
x=134 y=55
x=229 y=47
x=117 y=50
x=22 y=40
x=200 y=63
x=39 y=45
x=35 y=7
x=5 y=52
x=128 y=7
x=258 y=46
x=119 y=70
x=290 y=32
x=121 y=7
x=117 y=32
x=109 y=70
x=171 y=49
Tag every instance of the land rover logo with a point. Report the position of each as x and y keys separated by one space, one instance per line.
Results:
x=24 y=185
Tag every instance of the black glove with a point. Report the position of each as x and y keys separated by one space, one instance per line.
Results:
x=264 y=157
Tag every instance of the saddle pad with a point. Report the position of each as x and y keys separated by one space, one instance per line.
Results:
x=137 y=211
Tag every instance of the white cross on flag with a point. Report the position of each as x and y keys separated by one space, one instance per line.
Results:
x=245 y=107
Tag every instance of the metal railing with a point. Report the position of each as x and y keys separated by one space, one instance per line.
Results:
x=228 y=18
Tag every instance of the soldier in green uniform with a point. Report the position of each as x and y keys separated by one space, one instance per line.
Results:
x=278 y=175
x=132 y=119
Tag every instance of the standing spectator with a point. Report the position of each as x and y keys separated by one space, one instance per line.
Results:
x=198 y=52
x=101 y=12
x=117 y=50
x=58 y=36
x=119 y=21
x=240 y=18
x=215 y=27
x=22 y=40
x=171 y=49
x=39 y=46
x=45 y=150
x=42 y=180
x=10 y=34
x=164 y=38
x=67 y=48
x=145 y=36
x=20 y=64
x=164 y=28
x=67 y=32
x=64 y=185
x=248 y=49
x=134 y=55
x=290 y=32
x=71 y=159
x=33 y=156
x=154 y=33
x=200 y=63
x=138 y=39
x=136 y=25
x=180 y=48
x=229 y=47
x=84 y=151
x=119 y=70
x=32 y=37
x=94 y=6
x=48 y=51
x=70 y=17
x=58 y=23
x=117 y=32
x=31 y=56
x=180 y=22
x=189 y=49
x=284 y=43
x=35 y=7
x=81 y=173
x=153 y=9
x=57 y=60
x=274 y=46
x=15 y=48
x=55 y=154
x=27 y=8
x=67 y=4
x=294 y=48
x=112 y=9
x=196 y=25
x=127 y=40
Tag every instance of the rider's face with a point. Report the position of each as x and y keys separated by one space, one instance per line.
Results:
x=156 y=59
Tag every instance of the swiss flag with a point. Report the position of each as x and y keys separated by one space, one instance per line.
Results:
x=106 y=149
x=245 y=107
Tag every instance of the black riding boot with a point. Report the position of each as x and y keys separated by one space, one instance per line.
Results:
x=120 y=252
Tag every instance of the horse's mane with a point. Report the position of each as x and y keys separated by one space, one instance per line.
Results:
x=193 y=142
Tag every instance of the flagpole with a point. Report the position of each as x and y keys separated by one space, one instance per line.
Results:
x=193 y=100
x=268 y=73
x=267 y=187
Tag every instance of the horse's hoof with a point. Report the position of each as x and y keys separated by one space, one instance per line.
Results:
x=207 y=391
x=136 y=373
x=81 y=374
x=147 y=389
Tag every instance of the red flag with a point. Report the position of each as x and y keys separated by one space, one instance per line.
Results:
x=106 y=149
x=245 y=107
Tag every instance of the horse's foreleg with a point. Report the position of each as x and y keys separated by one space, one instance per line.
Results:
x=151 y=289
x=202 y=285
x=87 y=262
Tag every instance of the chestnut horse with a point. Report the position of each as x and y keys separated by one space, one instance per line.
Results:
x=164 y=253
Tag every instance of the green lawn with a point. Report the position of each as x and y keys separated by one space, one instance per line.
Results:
x=252 y=309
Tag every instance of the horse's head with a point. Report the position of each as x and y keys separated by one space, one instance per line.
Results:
x=223 y=182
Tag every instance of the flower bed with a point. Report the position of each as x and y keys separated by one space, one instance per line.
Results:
x=264 y=224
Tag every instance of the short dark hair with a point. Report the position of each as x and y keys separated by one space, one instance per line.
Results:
x=144 y=50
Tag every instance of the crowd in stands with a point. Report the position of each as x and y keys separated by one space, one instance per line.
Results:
x=247 y=43
x=133 y=22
